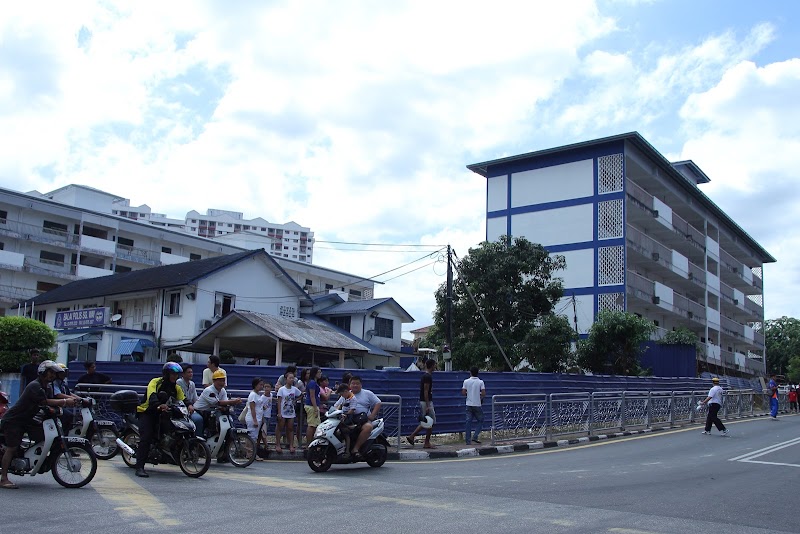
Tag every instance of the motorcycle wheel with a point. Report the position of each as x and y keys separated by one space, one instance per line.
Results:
x=376 y=455
x=320 y=457
x=131 y=439
x=194 y=458
x=75 y=467
x=241 y=450
x=104 y=443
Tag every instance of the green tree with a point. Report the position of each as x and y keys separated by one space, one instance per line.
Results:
x=513 y=283
x=17 y=336
x=782 y=340
x=793 y=370
x=615 y=343
x=548 y=346
x=679 y=336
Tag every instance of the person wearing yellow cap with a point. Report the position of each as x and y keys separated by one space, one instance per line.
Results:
x=714 y=402
x=213 y=396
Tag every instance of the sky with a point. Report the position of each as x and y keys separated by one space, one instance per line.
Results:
x=357 y=119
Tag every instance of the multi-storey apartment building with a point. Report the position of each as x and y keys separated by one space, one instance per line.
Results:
x=45 y=243
x=289 y=240
x=638 y=235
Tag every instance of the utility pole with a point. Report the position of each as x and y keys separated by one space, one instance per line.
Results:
x=447 y=349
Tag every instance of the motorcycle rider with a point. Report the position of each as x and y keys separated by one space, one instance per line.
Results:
x=19 y=419
x=61 y=391
x=153 y=409
x=367 y=406
x=213 y=396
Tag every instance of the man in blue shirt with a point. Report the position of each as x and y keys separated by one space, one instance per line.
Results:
x=773 y=397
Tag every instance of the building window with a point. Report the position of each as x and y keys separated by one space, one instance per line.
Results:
x=194 y=257
x=167 y=250
x=309 y=282
x=223 y=304
x=40 y=315
x=125 y=241
x=50 y=227
x=355 y=292
x=384 y=327
x=2 y=245
x=51 y=258
x=288 y=311
x=174 y=307
x=610 y=266
x=609 y=219
x=3 y=216
x=122 y=269
x=610 y=173
x=611 y=301
x=328 y=286
x=341 y=322
x=41 y=287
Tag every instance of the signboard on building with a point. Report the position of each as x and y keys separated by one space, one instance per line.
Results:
x=81 y=318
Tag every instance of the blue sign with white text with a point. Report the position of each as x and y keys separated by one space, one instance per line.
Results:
x=81 y=318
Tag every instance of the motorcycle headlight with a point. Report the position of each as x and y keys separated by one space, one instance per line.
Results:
x=320 y=431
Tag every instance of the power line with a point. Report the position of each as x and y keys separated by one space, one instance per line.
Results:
x=363 y=249
x=376 y=244
x=411 y=271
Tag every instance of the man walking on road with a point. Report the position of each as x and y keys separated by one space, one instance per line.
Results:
x=425 y=405
x=474 y=390
x=714 y=402
x=773 y=397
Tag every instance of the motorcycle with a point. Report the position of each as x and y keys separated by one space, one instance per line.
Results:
x=179 y=446
x=101 y=434
x=71 y=459
x=329 y=445
x=228 y=442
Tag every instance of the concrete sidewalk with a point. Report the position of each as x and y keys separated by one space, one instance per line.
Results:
x=460 y=450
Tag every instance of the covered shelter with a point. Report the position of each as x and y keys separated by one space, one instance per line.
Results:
x=277 y=339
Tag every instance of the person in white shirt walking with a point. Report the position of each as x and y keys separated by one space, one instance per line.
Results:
x=714 y=402
x=474 y=390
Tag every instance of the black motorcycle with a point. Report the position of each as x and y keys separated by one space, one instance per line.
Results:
x=178 y=445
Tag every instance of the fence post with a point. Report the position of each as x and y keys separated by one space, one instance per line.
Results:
x=692 y=407
x=492 y=429
x=624 y=410
x=671 y=409
x=549 y=418
x=399 y=421
x=591 y=413
x=649 y=423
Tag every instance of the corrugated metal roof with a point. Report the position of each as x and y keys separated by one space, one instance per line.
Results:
x=354 y=306
x=129 y=346
x=294 y=330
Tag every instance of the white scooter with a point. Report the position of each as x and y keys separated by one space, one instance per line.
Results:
x=329 y=445
x=228 y=442
x=101 y=434
x=70 y=458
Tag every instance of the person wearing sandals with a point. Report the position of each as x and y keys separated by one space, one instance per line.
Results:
x=425 y=405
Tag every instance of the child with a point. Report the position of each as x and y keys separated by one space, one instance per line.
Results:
x=254 y=409
x=287 y=396
x=346 y=403
x=266 y=415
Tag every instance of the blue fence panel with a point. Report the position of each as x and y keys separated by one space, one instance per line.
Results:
x=447 y=398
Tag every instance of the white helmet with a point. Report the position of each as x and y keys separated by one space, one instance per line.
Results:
x=426 y=422
x=49 y=364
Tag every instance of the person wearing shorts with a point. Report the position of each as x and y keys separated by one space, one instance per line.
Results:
x=425 y=405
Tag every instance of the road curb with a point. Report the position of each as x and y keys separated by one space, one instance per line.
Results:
x=411 y=454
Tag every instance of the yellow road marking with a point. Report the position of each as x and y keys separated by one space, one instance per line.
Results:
x=602 y=443
x=273 y=482
x=419 y=503
x=130 y=500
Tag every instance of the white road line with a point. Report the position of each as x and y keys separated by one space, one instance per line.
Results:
x=768 y=463
x=765 y=450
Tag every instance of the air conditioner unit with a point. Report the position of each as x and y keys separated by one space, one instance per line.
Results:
x=147 y=326
x=690 y=315
x=735 y=269
x=736 y=301
x=656 y=300
x=206 y=323
x=655 y=256
x=655 y=214
x=691 y=276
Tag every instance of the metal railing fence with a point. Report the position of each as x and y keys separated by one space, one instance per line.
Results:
x=542 y=416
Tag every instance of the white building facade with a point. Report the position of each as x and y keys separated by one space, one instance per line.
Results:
x=46 y=243
x=638 y=235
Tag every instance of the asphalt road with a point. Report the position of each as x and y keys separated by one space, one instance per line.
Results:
x=669 y=482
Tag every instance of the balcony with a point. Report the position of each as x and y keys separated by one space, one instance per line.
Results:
x=84 y=271
x=96 y=245
x=738 y=274
x=12 y=260
x=171 y=259
x=12 y=295
x=38 y=234
x=53 y=269
x=138 y=255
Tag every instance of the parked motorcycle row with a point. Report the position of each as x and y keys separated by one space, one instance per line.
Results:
x=71 y=454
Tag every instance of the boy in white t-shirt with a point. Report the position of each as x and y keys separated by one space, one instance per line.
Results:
x=474 y=390
x=287 y=396
x=347 y=404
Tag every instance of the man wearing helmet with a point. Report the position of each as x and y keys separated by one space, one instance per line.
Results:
x=159 y=390
x=714 y=402
x=20 y=418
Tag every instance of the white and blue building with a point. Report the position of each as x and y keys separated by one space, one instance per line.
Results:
x=640 y=236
